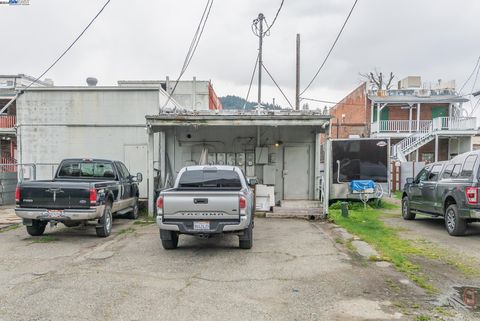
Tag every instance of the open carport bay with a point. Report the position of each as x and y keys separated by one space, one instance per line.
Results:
x=295 y=271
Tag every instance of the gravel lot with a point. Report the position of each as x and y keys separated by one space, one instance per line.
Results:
x=295 y=271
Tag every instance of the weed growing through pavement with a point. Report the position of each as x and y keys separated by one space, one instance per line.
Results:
x=44 y=239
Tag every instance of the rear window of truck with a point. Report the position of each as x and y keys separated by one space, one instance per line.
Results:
x=468 y=166
x=81 y=169
x=200 y=179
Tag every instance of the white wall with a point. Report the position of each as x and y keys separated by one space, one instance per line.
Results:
x=459 y=145
x=56 y=124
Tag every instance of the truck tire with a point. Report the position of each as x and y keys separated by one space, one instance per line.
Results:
x=133 y=214
x=456 y=226
x=169 y=239
x=246 y=240
x=37 y=228
x=105 y=222
x=406 y=212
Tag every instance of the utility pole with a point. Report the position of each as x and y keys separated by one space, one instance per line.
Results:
x=261 y=17
x=297 y=78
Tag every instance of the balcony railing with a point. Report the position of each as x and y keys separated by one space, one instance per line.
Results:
x=455 y=123
x=7 y=121
x=439 y=123
x=401 y=126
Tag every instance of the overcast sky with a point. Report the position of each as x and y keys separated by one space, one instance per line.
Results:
x=148 y=40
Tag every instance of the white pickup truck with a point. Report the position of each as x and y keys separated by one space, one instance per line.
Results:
x=205 y=201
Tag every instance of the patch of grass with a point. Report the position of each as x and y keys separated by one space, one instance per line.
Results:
x=10 y=228
x=366 y=224
x=398 y=194
x=45 y=239
x=443 y=311
x=422 y=317
x=126 y=231
x=145 y=220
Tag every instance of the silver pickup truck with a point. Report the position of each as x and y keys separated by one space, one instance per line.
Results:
x=206 y=201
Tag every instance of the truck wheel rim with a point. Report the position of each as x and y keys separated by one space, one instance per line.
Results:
x=404 y=209
x=108 y=220
x=451 y=220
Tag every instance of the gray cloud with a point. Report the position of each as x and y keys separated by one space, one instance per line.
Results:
x=148 y=40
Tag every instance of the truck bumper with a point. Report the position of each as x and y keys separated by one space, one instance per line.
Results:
x=43 y=214
x=221 y=226
x=475 y=214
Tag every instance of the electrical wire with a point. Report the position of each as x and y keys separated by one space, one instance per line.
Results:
x=193 y=47
x=331 y=102
x=274 y=19
x=276 y=84
x=471 y=75
x=331 y=48
x=251 y=81
x=71 y=45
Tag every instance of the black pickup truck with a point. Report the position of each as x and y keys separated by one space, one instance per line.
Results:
x=449 y=189
x=82 y=190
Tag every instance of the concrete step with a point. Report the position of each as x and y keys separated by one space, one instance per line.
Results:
x=300 y=204
x=288 y=212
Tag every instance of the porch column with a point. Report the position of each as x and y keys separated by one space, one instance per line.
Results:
x=418 y=116
x=410 y=118
x=436 y=147
x=317 y=167
x=372 y=107
x=150 y=172
x=379 y=110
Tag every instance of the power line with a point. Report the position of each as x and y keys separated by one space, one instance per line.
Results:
x=193 y=46
x=276 y=84
x=470 y=77
x=71 y=45
x=251 y=82
x=331 y=102
x=274 y=19
x=331 y=48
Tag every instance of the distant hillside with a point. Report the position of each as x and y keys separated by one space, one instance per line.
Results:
x=235 y=102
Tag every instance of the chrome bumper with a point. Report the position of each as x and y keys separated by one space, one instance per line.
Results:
x=65 y=215
x=242 y=225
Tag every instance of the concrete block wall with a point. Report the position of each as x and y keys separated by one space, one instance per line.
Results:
x=8 y=182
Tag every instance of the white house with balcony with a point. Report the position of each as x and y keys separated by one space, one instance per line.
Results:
x=423 y=124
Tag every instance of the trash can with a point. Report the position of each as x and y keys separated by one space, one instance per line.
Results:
x=344 y=206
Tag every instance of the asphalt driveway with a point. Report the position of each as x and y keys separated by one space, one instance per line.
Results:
x=295 y=271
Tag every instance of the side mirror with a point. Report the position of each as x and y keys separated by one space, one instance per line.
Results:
x=139 y=178
x=410 y=180
x=252 y=181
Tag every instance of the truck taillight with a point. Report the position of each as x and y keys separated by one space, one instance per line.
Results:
x=93 y=196
x=471 y=194
x=160 y=203
x=17 y=194
x=242 y=203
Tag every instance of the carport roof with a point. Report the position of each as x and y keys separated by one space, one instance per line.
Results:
x=239 y=119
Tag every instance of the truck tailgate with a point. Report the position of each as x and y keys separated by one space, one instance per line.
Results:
x=211 y=205
x=55 y=195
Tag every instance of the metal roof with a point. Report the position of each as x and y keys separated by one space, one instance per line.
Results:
x=92 y=88
x=237 y=118
x=415 y=99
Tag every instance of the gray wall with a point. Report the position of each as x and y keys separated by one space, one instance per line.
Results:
x=56 y=124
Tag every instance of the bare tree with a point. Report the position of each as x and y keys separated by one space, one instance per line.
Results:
x=378 y=81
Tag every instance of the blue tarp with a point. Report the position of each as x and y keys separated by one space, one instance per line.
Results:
x=361 y=185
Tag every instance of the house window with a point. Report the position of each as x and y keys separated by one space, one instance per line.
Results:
x=428 y=157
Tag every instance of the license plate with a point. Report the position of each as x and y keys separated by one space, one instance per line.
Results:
x=55 y=214
x=201 y=226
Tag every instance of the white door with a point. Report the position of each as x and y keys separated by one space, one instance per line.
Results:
x=136 y=162
x=295 y=172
